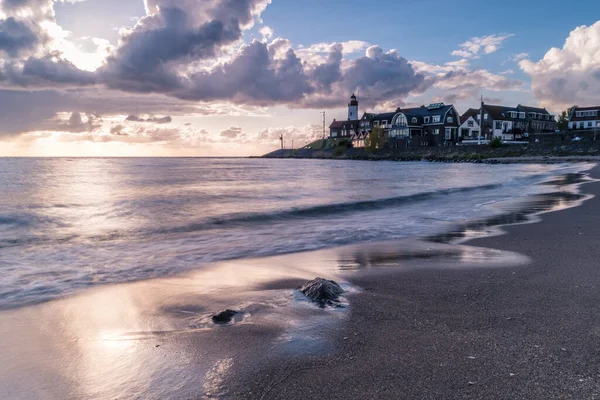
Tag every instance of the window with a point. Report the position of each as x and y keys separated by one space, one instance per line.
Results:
x=592 y=113
x=478 y=117
x=426 y=120
x=450 y=120
x=436 y=131
x=522 y=115
x=513 y=114
x=498 y=125
x=436 y=118
x=589 y=124
x=400 y=120
x=470 y=123
x=448 y=133
x=464 y=132
x=350 y=113
x=414 y=120
x=485 y=116
x=376 y=123
x=383 y=123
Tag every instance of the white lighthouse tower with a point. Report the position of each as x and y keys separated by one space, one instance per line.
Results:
x=353 y=109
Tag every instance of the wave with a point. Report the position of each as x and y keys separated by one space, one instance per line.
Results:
x=319 y=210
x=254 y=219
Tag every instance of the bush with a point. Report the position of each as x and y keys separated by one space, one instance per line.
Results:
x=495 y=143
x=338 y=151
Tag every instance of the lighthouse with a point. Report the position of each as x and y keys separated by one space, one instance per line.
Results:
x=353 y=109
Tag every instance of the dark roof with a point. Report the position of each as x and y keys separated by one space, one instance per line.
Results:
x=336 y=124
x=383 y=116
x=532 y=109
x=471 y=112
x=587 y=108
x=499 y=112
x=574 y=117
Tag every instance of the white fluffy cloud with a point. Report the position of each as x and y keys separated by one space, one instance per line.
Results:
x=474 y=47
x=570 y=75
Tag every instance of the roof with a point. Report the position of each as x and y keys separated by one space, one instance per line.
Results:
x=587 y=108
x=574 y=117
x=336 y=124
x=388 y=116
x=532 y=109
x=471 y=112
x=499 y=112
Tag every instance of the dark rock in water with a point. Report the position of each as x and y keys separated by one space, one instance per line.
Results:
x=323 y=291
x=224 y=317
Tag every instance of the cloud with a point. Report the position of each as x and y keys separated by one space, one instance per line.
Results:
x=75 y=123
x=16 y=36
x=460 y=82
x=474 y=47
x=156 y=120
x=231 y=133
x=186 y=30
x=266 y=32
x=569 y=75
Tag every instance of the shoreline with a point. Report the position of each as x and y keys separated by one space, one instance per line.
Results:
x=410 y=324
x=515 y=332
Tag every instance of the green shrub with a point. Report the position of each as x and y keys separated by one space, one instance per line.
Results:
x=495 y=142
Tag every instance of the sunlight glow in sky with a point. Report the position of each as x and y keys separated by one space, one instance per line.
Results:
x=217 y=77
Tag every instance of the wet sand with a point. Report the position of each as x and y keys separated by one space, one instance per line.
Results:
x=512 y=316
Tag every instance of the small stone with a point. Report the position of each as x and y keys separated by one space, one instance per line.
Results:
x=158 y=345
x=472 y=383
x=224 y=317
x=511 y=374
x=471 y=358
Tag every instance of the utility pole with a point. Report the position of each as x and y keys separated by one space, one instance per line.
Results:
x=323 y=125
x=480 y=122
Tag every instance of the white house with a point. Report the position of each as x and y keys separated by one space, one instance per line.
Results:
x=584 y=118
x=469 y=128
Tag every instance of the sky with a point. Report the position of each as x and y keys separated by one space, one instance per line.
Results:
x=228 y=77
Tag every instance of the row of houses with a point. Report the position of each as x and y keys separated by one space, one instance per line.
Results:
x=440 y=124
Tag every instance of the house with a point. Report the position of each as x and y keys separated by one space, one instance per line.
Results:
x=434 y=125
x=349 y=128
x=469 y=125
x=584 y=118
x=514 y=123
x=343 y=129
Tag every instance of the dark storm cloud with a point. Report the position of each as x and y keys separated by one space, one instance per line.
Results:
x=253 y=77
x=179 y=32
x=157 y=120
x=326 y=74
x=45 y=70
x=16 y=36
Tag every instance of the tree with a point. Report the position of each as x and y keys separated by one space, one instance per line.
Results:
x=563 y=121
x=375 y=140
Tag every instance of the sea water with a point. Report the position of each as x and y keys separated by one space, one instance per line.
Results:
x=67 y=224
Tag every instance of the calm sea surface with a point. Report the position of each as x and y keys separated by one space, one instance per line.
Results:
x=67 y=224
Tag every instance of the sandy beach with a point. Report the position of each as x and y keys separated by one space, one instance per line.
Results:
x=502 y=317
